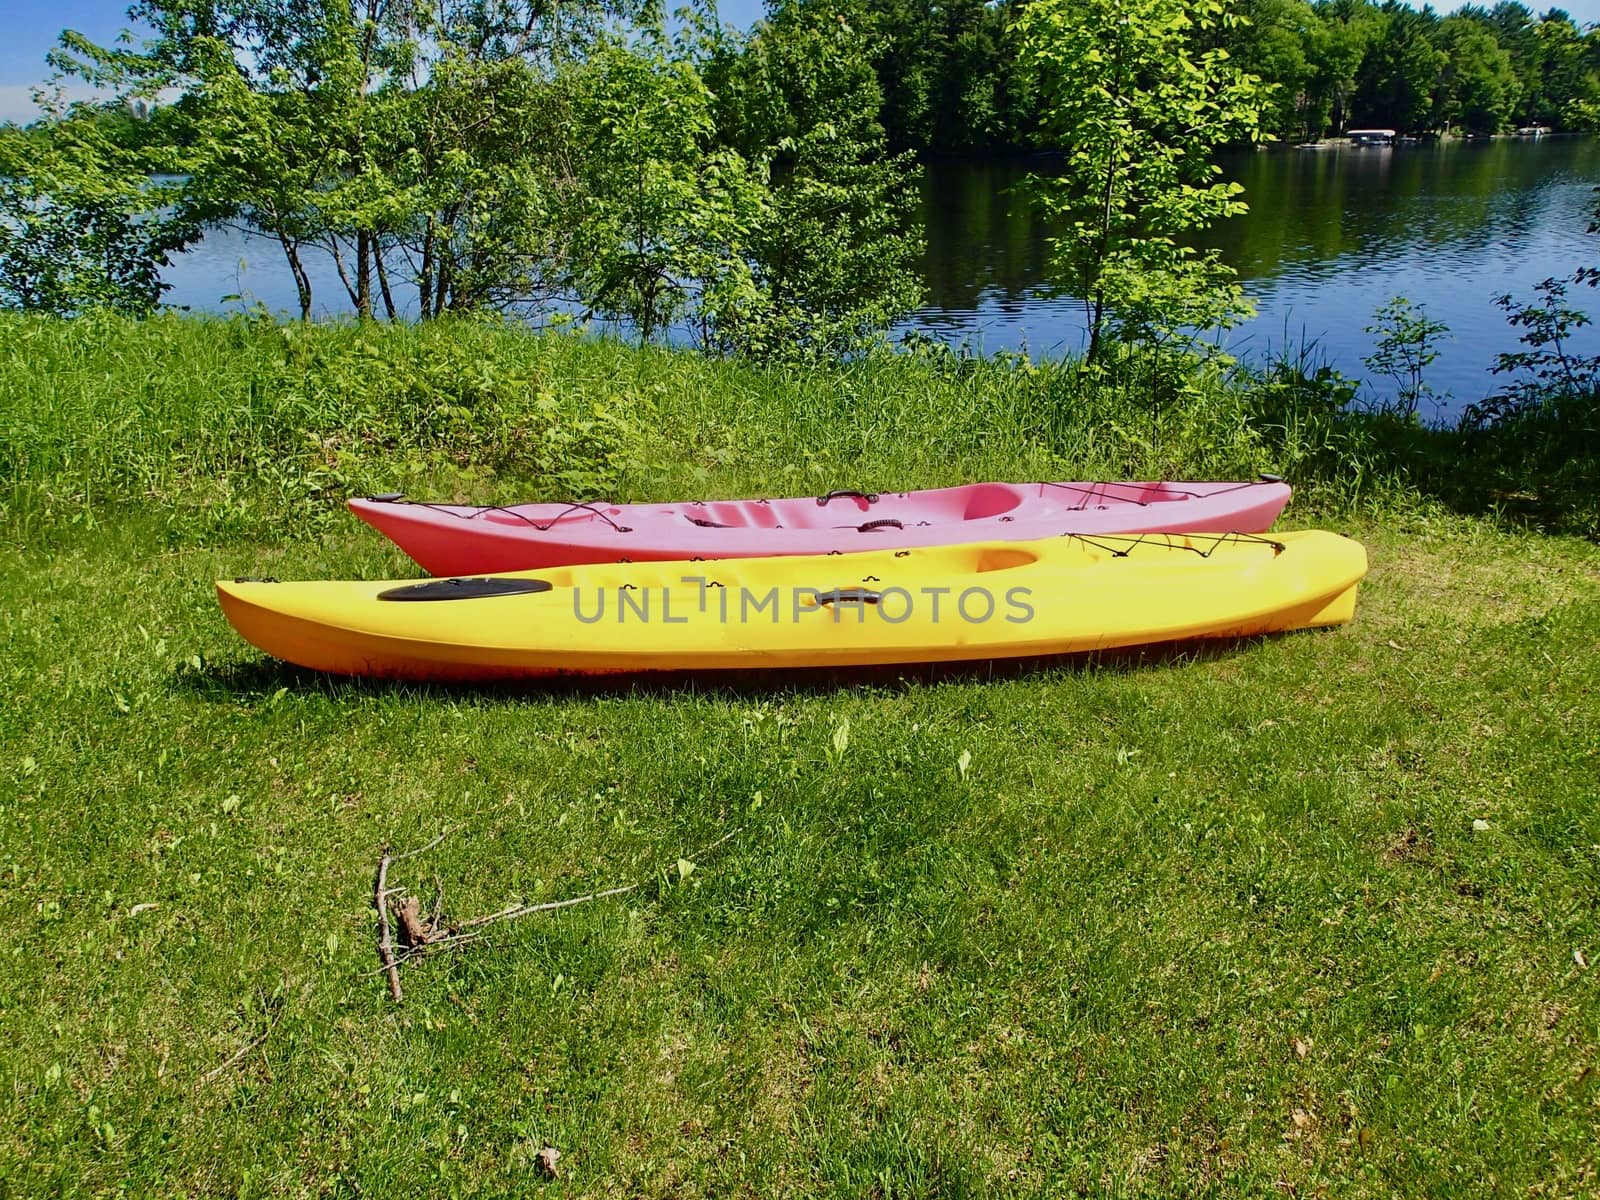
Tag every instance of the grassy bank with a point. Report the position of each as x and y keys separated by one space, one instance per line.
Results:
x=1294 y=914
x=246 y=427
x=221 y=421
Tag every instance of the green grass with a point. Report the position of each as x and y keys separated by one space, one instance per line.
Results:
x=1214 y=922
x=235 y=427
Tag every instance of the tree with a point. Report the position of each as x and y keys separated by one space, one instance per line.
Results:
x=486 y=183
x=366 y=128
x=1570 y=88
x=1137 y=115
x=261 y=158
x=1478 y=88
x=82 y=224
x=1408 y=343
x=1516 y=32
x=833 y=252
x=1274 y=40
x=1339 y=46
x=666 y=216
x=1400 y=73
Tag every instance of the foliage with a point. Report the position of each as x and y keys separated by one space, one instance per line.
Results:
x=1538 y=438
x=1477 y=89
x=82 y=225
x=1164 y=362
x=1553 y=383
x=488 y=186
x=1339 y=41
x=1140 y=115
x=833 y=251
x=253 y=426
x=1395 y=86
x=667 y=217
x=519 y=157
x=948 y=73
x=953 y=83
x=1408 y=343
x=1271 y=39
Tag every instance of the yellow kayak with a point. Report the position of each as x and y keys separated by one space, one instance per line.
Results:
x=980 y=601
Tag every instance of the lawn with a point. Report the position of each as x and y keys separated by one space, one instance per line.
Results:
x=1305 y=912
x=1314 y=914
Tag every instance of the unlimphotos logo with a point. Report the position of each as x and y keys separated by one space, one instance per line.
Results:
x=741 y=605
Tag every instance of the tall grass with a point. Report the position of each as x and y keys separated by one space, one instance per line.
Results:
x=244 y=424
x=261 y=420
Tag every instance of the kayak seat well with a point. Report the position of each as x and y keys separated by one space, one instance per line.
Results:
x=1006 y=558
x=736 y=514
x=984 y=500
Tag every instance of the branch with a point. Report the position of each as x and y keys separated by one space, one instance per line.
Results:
x=237 y=1055
x=380 y=897
x=424 y=849
x=523 y=910
x=421 y=937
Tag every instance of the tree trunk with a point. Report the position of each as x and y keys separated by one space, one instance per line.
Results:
x=363 y=275
x=383 y=279
x=425 y=275
x=338 y=265
x=302 y=284
x=1096 y=311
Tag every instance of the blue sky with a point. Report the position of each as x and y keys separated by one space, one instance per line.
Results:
x=30 y=28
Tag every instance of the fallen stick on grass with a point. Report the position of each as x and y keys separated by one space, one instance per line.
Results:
x=380 y=898
x=420 y=936
x=276 y=1010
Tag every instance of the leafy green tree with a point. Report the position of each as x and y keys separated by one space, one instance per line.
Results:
x=260 y=159
x=1274 y=40
x=82 y=223
x=1339 y=43
x=1517 y=33
x=909 y=66
x=945 y=68
x=666 y=214
x=486 y=184
x=267 y=114
x=968 y=85
x=1549 y=364
x=1570 y=86
x=1478 y=88
x=1137 y=115
x=833 y=253
x=1408 y=343
x=1400 y=73
x=368 y=129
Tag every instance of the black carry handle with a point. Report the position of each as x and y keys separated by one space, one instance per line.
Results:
x=1268 y=478
x=869 y=497
x=885 y=523
x=848 y=596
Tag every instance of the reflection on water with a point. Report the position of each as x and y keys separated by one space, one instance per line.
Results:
x=1330 y=235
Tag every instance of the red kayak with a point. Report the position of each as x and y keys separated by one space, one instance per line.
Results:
x=453 y=539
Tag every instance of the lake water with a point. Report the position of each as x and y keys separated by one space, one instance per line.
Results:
x=1330 y=235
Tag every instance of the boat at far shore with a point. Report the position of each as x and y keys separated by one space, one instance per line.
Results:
x=1371 y=137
